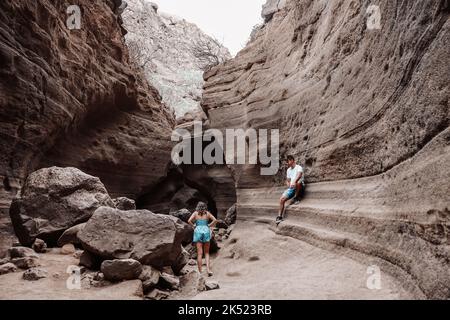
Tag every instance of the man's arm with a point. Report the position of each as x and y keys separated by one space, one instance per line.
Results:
x=288 y=182
x=298 y=177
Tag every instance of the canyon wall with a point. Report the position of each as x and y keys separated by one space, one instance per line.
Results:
x=71 y=98
x=366 y=112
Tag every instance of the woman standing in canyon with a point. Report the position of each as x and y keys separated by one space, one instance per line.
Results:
x=202 y=234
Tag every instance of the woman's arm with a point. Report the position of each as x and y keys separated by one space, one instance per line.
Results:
x=214 y=220
x=192 y=218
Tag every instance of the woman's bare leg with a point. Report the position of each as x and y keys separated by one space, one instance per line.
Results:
x=206 y=247
x=199 y=256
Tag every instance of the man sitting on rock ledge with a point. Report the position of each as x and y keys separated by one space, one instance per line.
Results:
x=295 y=181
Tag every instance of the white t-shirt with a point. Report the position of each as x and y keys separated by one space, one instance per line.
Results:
x=292 y=173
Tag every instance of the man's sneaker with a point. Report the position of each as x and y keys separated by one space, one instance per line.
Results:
x=279 y=219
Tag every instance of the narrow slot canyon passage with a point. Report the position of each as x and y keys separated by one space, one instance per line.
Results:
x=354 y=95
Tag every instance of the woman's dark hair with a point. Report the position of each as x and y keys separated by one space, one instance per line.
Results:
x=201 y=208
x=290 y=158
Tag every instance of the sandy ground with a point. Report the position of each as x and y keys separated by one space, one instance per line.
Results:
x=255 y=263
x=13 y=287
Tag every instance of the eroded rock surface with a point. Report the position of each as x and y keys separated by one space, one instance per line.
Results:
x=366 y=113
x=71 y=98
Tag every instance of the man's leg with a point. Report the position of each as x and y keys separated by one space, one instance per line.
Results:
x=282 y=203
x=298 y=188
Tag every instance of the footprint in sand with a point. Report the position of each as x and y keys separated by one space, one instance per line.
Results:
x=254 y=258
x=233 y=274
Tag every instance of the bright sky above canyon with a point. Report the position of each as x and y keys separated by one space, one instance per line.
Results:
x=230 y=21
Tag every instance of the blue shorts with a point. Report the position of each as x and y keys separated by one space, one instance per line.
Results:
x=202 y=234
x=289 y=193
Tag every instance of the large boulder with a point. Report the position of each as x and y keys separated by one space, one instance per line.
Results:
x=150 y=238
x=53 y=200
x=186 y=230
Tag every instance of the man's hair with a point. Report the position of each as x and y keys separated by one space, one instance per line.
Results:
x=290 y=158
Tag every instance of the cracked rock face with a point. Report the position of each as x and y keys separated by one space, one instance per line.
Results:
x=173 y=69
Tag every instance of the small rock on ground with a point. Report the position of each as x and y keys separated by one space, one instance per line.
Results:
x=212 y=285
x=170 y=281
x=20 y=252
x=121 y=269
x=34 y=274
x=7 y=268
x=26 y=262
x=68 y=249
x=157 y=294
x=39 y=245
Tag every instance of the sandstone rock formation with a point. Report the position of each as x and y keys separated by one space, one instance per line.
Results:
x=167 y=42
x=71 y=98
x=53 y=200
x=141 y=235
x=366 y=112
